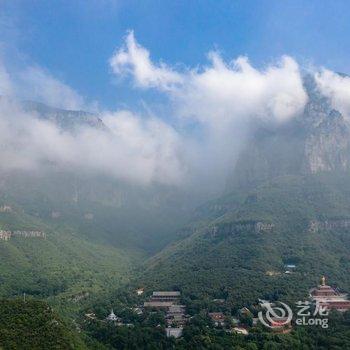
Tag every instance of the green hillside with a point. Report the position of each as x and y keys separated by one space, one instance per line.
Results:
x=33 y=325
x=96 y=230
x=241 y=255
x=64 y=267
x=100 y=208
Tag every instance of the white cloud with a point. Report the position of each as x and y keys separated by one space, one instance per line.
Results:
x=38 y=85
x=223 y=99
x=336 y=88
x=135 y=59
x=225 y=92
x=221 y=92
x=135 y=149
x=139 y=149
x=35 y=83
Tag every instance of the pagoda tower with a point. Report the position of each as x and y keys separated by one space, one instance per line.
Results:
x=329 y=298
x=112 y=317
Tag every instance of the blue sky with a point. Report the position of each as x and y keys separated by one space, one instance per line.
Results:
x=180 y=83
x=74 y=39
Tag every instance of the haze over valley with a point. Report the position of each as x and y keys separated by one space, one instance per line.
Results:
x=170 y=214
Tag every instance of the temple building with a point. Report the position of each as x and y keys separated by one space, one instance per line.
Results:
x=112 y=317
x=166 y=296
x=173 y=332
x=218 y=318
x=329 y=298
x=163 y=300
x=176 y=315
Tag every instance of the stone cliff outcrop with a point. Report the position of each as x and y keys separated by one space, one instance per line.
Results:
x=6 y=235
x=5 y=209
x=316 y=226
x=316 y=141
x=233 y=228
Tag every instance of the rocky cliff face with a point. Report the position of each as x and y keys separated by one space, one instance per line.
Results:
x=316 y=225
x=326 y=146
x=316 y=141
x=240 y=227
x=65 y=119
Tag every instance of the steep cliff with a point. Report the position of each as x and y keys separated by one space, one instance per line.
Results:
x=316 y=141
x=288 y=201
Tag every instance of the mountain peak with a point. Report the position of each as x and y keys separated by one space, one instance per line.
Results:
x=65 y=119
x=315 y=141
x=68 y=120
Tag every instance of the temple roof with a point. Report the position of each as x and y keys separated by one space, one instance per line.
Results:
x=112 y=316
x=167 y=294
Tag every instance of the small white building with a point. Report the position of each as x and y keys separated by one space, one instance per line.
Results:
x=139 y=291
x=290 y=266
x=173 y=332
x=112 y=317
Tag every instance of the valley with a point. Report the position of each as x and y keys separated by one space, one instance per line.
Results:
x=83 y=243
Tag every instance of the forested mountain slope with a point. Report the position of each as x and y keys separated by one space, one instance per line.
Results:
x=288 y=202
x=67 y=235
x=29 y=325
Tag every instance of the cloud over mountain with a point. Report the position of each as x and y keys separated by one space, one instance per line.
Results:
x=210 y=108
x=222 y=98
x=225 y=90
x=337 y=88
x=133 y=149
